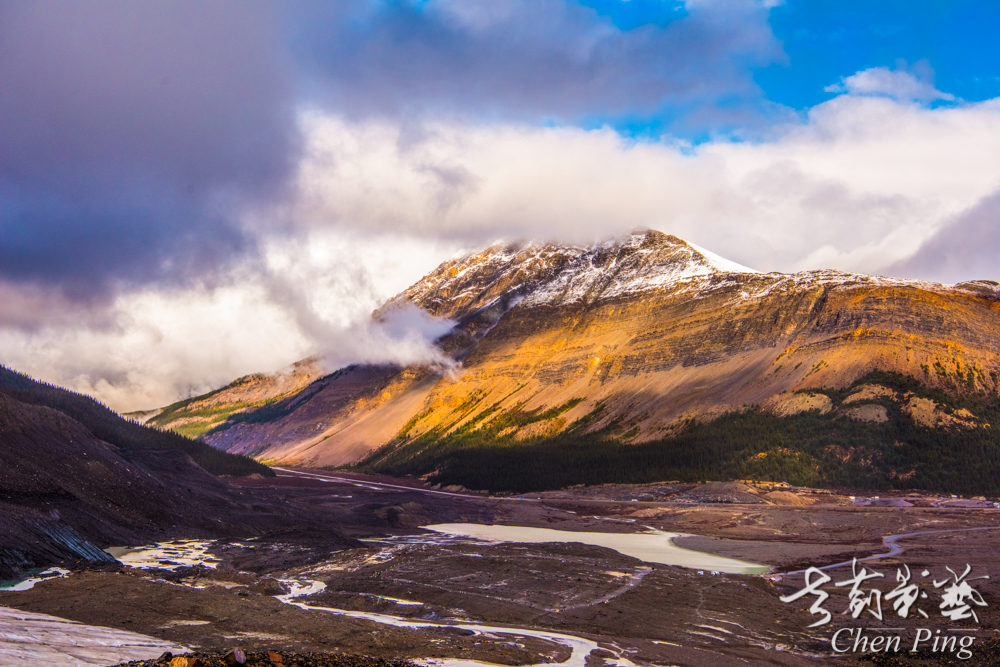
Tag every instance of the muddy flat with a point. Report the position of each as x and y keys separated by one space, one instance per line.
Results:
x=408 y=592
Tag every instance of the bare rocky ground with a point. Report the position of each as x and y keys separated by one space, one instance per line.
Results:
x=643 y=612
x=269 y=659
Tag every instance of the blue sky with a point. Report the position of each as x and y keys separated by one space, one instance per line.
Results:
x=827 y=39
x=172 y=173
x=695 y=70
x=952 y=41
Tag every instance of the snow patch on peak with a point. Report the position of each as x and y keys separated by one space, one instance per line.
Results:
x=721 y=264
x=989 y=288
x=549 y=273
x=503 y=276
x=646 y=260
x=769 y=283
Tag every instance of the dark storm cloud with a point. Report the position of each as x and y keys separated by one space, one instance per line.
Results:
x=966 y=249
x=534 y=59
x=133 y=135
x=131 y=132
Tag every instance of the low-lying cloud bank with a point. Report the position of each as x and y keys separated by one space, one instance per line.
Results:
x=864 y=183
x=307 y=296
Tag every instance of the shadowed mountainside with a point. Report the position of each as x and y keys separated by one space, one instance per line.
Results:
x=75 y=478
x=107 y=425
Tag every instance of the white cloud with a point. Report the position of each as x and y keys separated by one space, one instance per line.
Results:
x=313 y=295
x=864 y=182
x=860 y=184
x=160 y=345
x=900 y=85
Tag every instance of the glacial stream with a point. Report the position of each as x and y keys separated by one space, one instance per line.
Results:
x=652 y=547
x=580 y=647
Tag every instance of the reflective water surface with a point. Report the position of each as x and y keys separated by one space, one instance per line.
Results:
x=652 y=547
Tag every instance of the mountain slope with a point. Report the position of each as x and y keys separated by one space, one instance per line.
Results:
x=108 y=426
x=65 y=494
x=75 y=478
x=885 y=431
x=631 y=340
x=194 y=416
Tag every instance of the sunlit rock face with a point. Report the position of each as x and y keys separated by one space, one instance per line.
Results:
x=645 y=331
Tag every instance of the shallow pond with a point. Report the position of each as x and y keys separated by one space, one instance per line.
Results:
x=166 y=555
x=652 y=547
x=37 y=576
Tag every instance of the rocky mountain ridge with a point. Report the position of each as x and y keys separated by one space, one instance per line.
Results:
x=553 y=274
x=643 y=334
x=645 y=261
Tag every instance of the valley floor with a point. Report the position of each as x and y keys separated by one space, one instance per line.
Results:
x=408 y=593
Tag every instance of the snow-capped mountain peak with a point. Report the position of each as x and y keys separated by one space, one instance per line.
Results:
x=557 y=274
